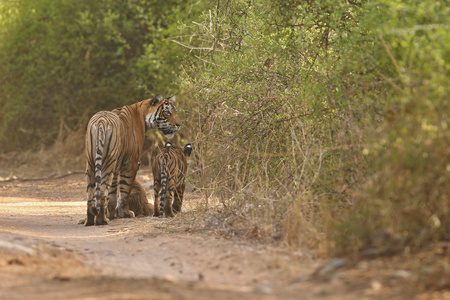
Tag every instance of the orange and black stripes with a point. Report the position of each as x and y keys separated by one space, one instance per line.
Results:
x=114 y=142
x=169 y=172
x=101 y=157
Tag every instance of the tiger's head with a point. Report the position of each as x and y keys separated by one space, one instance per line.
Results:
x=162 y=114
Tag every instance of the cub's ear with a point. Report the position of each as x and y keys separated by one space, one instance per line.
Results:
x=156 y=99
x=173 y=98
x=168 y=145
x=187 y=149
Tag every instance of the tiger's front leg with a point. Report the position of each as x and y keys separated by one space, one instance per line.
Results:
x=126 y=180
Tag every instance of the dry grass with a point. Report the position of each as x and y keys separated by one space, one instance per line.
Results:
x=66 y=154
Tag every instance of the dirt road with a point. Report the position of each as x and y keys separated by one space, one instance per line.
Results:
x=45 y=254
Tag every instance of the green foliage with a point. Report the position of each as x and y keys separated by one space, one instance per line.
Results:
x=64 y=60
x=405 y=198
x=277 y=114
x=326 y=115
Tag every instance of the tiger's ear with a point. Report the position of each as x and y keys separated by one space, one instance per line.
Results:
x=173 y=98
x=168 y=145
x=156 y=99
x=187 y=149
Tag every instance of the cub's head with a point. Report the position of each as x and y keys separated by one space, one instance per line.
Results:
x=162 y=114
x=187 y=149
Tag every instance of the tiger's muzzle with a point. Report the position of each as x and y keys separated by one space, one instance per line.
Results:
x=168 y=129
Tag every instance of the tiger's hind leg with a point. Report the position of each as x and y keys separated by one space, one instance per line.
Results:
x=112 y=199
x=91 y=209
x=168 y=211
x=178 y=198
x=101 y=217
x=126 y=180
x=156 y=188
x=104 y=192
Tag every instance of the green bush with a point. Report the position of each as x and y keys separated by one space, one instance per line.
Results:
x=278 y=120
x=64 y=60
x=404 y=201
x=326 y=119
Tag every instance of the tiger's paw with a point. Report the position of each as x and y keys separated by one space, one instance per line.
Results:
x=102 y=221
x=122 y=213
x=89 y=220
x=89 y=223
x=129 y=214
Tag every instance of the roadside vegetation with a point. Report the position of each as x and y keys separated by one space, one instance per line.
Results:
x=322 y=124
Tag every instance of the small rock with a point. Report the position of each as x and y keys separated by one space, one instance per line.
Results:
x=401 y=274
x=331 y=265
x=201 y=277
x=299 y=279
x=376 y=285
x=263 y=289
x=16 y=261
x=15 y=248
x=61 y=278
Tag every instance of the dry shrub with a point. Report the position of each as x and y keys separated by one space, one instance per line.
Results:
x=278 y=114
x=404 y=203
x=302 y=226
x=272 y=166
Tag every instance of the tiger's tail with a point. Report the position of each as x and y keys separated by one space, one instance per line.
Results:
x=162 y=192
x=99 y=143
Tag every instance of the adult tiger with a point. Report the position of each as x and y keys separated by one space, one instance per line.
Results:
x=138 y=201
x=114 y=142
x=169 y=173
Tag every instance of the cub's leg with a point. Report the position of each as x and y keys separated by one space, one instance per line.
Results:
x=156 y=189
x=168 y=211
x=91 y=210
x=178 y=198
x=112 y=198
x=126 y=180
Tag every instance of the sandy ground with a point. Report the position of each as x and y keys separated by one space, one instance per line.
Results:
x=45 y=254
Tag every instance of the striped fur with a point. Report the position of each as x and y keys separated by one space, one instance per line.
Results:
x=169 y=174
x=114 y=142
x=138 y=201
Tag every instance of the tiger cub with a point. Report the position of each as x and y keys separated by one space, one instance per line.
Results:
x=169 y=174
x=138 y=202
